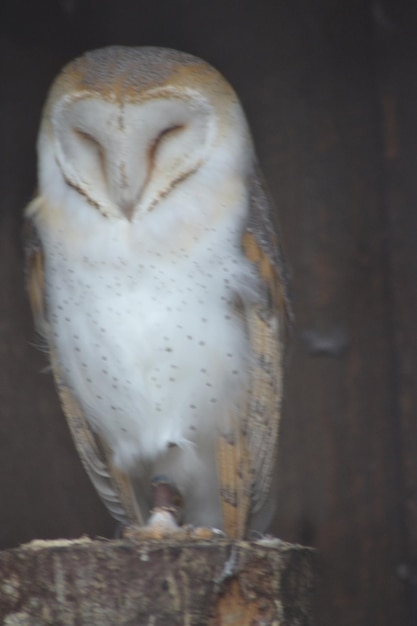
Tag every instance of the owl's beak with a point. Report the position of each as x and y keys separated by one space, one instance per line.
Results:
x=128 y=209
x=126 y=178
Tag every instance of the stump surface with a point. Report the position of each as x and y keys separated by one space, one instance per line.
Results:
x=156 y=583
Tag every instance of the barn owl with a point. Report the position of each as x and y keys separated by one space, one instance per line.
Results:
x=155 y=279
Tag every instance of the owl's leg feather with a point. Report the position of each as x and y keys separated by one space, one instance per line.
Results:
x=165 y=520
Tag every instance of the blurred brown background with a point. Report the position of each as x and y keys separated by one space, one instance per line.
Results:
x=330 y=89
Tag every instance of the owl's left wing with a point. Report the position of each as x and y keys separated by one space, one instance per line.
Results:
x=113 y=486
x=247 y=455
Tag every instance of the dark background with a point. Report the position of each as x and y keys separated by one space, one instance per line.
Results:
x=330 y=90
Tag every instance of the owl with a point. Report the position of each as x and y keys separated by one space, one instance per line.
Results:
x=155 y=278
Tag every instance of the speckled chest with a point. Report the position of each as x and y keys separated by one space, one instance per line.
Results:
x=148 y=337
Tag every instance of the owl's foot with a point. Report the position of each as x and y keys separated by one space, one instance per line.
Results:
x=202 y=533
x=161 y=525
x=166 y=517
x=166 y=513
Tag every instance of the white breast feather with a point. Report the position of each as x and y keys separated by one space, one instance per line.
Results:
x=143 y=328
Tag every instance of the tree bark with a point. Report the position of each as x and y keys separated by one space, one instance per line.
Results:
x=156 y=583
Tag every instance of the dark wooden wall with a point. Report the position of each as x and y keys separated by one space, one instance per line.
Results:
x=330 y=89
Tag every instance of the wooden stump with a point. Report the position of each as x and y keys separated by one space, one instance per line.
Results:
x=156 y=583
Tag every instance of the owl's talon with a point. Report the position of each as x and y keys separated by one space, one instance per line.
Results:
x=255 y=535
x=202 y=533
x=161 y=525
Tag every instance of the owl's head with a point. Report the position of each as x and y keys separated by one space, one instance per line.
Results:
x=123 y=127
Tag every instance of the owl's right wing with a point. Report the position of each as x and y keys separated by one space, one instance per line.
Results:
x=113 y=486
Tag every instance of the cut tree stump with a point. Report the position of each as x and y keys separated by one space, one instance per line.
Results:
x=157 y=583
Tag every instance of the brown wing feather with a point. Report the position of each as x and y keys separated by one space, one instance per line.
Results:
x=268 y=322
x=113 y=486
x=234 y=476
x=246 y=456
